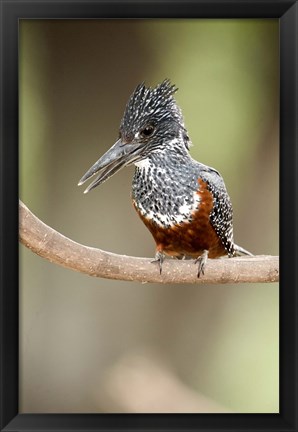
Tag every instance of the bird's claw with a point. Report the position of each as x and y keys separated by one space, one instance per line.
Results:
x=202 y=259
x=159 y=258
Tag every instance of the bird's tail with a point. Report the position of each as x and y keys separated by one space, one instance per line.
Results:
x=240 y=251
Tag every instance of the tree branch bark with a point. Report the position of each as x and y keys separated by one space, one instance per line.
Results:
x=56 y=248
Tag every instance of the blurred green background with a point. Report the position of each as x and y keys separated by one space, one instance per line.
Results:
x=95 y=345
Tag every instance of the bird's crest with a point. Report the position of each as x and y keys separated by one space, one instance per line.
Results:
x=154 y=103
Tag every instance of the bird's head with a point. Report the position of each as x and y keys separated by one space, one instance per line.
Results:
x=152 y=122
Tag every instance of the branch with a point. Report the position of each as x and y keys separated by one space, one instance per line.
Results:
x=56 y=248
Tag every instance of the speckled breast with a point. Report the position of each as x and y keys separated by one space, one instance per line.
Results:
x=180 y=222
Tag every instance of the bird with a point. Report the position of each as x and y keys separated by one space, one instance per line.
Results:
x=184 y=203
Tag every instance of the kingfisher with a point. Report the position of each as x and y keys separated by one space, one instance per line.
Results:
x=183 y=203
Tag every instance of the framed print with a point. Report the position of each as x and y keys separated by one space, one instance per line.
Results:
x=210 y=90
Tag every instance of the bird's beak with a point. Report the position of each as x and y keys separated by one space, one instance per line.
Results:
x=117 y=157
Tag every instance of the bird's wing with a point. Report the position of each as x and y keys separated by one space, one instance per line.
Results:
x=221 y=217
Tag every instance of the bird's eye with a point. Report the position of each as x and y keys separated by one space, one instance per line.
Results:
x=148 y=130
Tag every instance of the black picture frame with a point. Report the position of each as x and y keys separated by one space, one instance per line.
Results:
x=287 y=13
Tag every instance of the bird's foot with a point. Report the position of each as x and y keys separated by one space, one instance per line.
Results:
x=159 y=258
x=202 y=259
